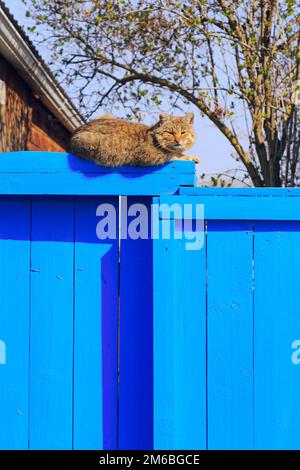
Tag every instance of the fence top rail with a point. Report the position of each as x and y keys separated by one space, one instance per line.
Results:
x=241 y=192
x=58 y=173
x=212 y=207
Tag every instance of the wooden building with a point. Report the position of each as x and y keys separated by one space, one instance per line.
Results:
x=35 y=112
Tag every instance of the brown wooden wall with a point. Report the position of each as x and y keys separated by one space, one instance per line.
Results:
x=25 y=123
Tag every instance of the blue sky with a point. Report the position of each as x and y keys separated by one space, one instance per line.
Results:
x=213 y=149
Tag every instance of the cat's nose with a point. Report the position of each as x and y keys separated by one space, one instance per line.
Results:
x=177 y=140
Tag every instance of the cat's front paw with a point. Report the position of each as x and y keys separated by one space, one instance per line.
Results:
x=188 y=158
x=192 y=159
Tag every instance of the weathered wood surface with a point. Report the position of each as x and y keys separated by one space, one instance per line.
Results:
x=25 y=123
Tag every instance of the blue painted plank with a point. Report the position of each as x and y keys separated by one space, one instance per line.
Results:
x=240 y=208
x=136 y=338
x=51 y=323
x=14 y=321
x=240 y=192
x=230 y=334
x=89 y=184
x=96 y=328
x=179 y=344
x=39 y=173
x=276 y=332
x=61 y=162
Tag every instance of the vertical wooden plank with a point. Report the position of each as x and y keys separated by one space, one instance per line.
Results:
x=179 y=344
x=14 y=321
x=51 y=323
x=277 y=330
x=230 y=334
x=15 y=117
x=136 y=337
x=96 y=327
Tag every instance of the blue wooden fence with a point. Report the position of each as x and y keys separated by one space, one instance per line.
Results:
x=141 y=344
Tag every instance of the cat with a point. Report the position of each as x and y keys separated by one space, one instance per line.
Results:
x=112 y=142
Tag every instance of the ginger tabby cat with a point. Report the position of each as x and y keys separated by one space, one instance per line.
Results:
x=112 y=142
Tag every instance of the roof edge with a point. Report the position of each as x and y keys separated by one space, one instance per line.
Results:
x=36 y=74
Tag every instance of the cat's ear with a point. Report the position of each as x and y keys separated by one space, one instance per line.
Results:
x=163 y=117
x=190 y=118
